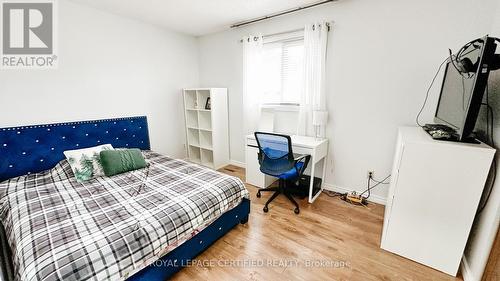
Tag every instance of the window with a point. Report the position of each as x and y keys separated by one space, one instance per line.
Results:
x=283 y=71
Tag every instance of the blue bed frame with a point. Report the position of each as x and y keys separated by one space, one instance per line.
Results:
x=35 y=148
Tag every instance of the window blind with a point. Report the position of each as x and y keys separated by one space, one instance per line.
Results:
x=292 y=64
x=283 y=71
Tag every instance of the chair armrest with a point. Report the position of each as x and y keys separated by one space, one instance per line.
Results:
x=300 y=157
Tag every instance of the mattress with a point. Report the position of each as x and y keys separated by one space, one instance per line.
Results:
x=110 y=227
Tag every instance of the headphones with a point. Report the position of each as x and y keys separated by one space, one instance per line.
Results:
x=465 y=65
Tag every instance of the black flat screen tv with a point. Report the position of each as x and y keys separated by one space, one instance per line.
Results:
x=462 y=91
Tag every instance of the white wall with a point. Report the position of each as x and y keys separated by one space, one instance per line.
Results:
x=109 y=66
x=486 y=224
x=381 y=58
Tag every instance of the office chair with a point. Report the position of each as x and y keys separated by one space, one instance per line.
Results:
x=276 y=159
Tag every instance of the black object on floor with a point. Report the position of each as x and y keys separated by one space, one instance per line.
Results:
x=301 y=188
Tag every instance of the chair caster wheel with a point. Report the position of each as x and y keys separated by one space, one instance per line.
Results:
x=258 y=194
x=265 y=209
x=297 y=211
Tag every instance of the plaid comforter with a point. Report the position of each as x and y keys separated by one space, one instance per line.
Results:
x=109 y=228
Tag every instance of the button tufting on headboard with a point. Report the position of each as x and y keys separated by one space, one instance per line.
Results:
x=31 y=149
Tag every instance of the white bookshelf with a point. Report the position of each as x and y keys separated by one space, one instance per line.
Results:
x=207 y=130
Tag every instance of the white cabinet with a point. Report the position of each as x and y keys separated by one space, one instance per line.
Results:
x=207 y=129
x=433 y=197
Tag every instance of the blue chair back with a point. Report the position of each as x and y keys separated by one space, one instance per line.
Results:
x=275 y=153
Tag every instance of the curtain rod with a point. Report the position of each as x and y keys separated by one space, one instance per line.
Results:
x=286 y=32
x=279 y=33
x=247 y=22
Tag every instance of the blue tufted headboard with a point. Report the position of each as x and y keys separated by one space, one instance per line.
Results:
x=31 y=149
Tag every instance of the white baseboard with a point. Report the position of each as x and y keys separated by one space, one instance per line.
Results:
x=373 y=198
x=237 y=163
x=467 y=273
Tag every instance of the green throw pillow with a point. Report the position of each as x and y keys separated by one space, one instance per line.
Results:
x=120 y=161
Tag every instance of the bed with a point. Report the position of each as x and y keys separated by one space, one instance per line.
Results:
x=140 y=225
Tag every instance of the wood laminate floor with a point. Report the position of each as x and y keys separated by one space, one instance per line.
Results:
x=328 y=240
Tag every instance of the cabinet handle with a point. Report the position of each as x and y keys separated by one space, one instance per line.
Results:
x=252 y=145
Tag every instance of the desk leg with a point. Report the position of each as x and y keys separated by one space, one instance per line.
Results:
x=311 y=185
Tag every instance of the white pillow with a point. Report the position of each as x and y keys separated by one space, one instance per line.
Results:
x=86 y=163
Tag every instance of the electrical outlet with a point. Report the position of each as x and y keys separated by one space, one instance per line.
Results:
x=370 y=174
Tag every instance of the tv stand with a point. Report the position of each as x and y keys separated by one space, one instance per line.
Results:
x=433 y=197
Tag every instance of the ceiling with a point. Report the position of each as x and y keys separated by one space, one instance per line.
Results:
x=194 y=17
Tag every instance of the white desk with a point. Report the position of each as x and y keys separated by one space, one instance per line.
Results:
x=318 y=149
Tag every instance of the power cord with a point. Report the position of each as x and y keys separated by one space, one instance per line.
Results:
x=358 y=199
x=330 y=193
x=490 y=189
x=427 y=93
x=369 y=188
x=144 y=180
x=490 y=123
x=417 y=119
x=381 y=182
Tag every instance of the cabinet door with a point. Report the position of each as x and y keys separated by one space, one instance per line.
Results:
x=394 y=181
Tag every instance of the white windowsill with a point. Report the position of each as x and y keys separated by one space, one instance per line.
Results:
x=280 y=107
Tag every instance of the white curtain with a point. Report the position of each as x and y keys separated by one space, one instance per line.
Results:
x=314 y=94
x=252 y=82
